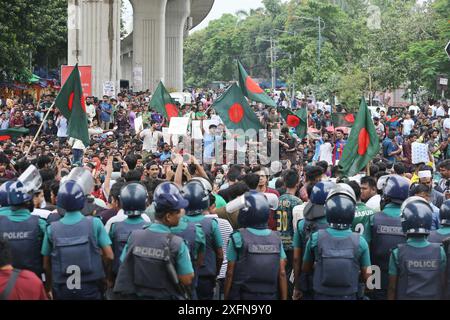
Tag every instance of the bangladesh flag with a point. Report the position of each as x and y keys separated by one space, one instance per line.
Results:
x=297 y=120
x=234 y=110
x=163 y=103
x=362 y=145
x=251 y=89
x=7 y=134
x=70 y=103
x=341 y=119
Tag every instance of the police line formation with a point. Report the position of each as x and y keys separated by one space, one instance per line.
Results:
x=178 y=255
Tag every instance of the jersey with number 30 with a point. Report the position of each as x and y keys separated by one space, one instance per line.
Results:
x=283 y=216
x=361 y=222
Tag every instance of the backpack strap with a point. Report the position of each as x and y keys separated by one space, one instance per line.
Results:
x=10 y=285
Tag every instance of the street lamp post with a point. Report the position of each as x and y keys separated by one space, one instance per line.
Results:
x=291 y=58
x=319 y=40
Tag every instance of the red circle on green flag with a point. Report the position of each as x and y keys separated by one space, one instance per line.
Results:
x=171 y=110
x=252 y=86
x=363 y=141
x=349 y=118
x=236 y=113
x=292 y=121
x=71 y=97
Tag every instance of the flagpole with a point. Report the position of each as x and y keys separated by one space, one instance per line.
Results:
x=368 y=169
x=40 y=128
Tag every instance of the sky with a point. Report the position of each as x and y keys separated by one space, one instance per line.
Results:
x=219 y=8
x=228 y=6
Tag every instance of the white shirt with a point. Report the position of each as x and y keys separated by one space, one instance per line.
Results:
x=91 y=112
x=226 y=230
x=440 y=112
x=61 y=123
x=447 y=124
x=374 y=203
x=41 y=213
x=151 y=139
x=434 y=110
x=408 y=124
x=119 y=217
x=326 y=153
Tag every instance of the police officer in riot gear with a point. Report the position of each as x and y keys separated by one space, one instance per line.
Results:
x=4 y=206
x=133 y=201
x=315 y=219
x=155 y=263
x=338 y=255
x=256 y=258
x=417 y=267
x=442 y=235
x=24 y=231
x=387 y=230
x=192 y=233
x=197 y=193
x=74 y=246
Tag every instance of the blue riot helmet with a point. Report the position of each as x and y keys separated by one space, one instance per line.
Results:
x=197 y=195
x=31 y=179
x=4 y=189
x=71 y=196
x=444 y=213
x=395 y=190
x=206 y=184
x=167 y=197
x=417 y=216
x=18 y=194
x=84 y=179
x=255 y=211
x=21 y=191
x=340 y=207
x=133 y=199
x=74 y=188
x=320 y=192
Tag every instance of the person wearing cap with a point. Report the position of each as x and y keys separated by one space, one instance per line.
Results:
x=426 y=177
x=156 y=264
x=417 y=267
x=255 y=247
x=337 y=278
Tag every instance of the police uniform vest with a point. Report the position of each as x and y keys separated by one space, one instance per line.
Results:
x=122 y=231
x=420 y=272
x=208 y=268
x=436 y=237
x=387 y=233
x=75 y=245
x=256 y=271
x=189 y=236
x=309 y=227
x=337 y=267
x=143 y=273
x=23 y=237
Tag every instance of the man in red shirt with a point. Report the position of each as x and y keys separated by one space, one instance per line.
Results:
x=17 y=121
x=27 y=286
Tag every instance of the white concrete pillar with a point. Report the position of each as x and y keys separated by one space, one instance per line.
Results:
x=148 y=43
x=177 y=12
x=94 y=39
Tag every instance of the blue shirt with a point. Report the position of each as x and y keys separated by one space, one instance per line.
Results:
x=388 y=147
x=436 y=219
x=105 y=116
x=164 y=156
